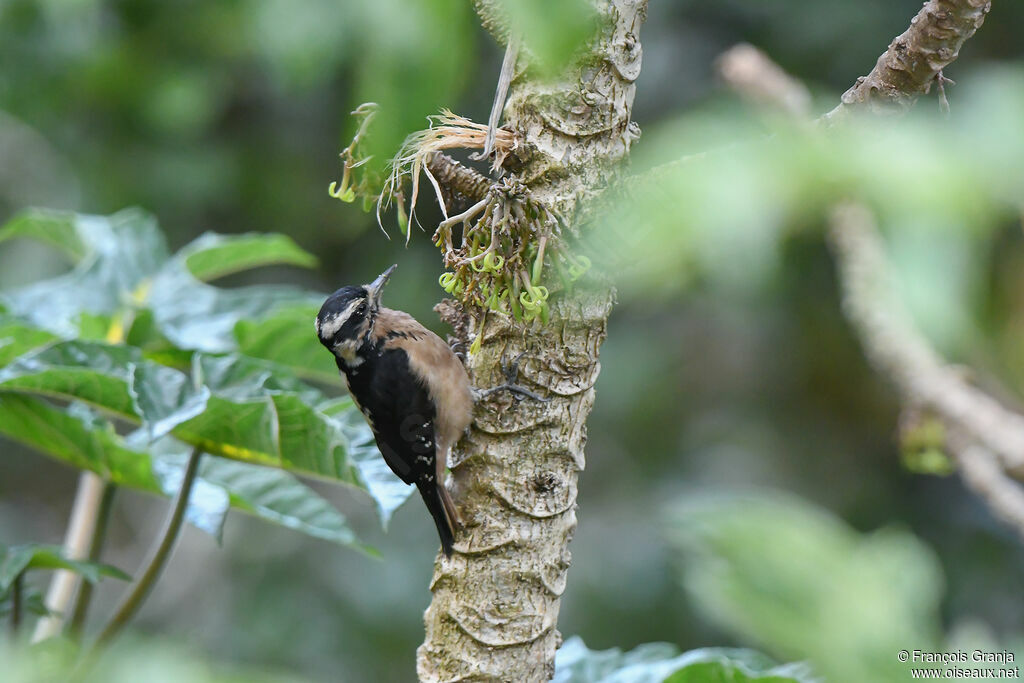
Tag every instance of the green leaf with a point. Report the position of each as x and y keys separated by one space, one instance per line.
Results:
x=552 y=30
x=77 y=437
x=194 y=315
x=56 y=228
x=256 y=416
x=16 y=559
x=285 y=338
x=253 y=414
x=116 y=379
x=260 y=414
x=17 y=338
x=658 y=662
x=212 y=256
x=277 y=496
x=786 y=574
x=122 y=252
x=132 y=660
x=31 y=602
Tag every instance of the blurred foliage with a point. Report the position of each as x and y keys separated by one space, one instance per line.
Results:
x=802 y=583
x=16 y=560
x=942 y=188
x=228 y=115
x=658 y=662
x=552 y=32
x=128 y=662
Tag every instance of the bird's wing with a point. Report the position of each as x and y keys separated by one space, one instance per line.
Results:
x=436 y=367
x=402 y=417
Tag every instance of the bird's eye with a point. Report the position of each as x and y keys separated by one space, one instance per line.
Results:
x=362 y=308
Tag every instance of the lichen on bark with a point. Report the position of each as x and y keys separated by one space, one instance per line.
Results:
x=495 y=603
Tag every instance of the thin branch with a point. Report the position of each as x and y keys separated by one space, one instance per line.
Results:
x=980 y=470
x=158 y=556
x=916 y=57
x=755 y=77
x=81 y=527
x=987 y=439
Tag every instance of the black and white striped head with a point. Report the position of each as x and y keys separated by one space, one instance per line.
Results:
x=346 y=319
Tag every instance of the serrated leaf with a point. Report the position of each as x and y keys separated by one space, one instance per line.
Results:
x=116 y=379
x=71 y=436
x=94 y=326
x=194 y=315
x=285 y=338
x=17 y=338
x=277 y=496
x=662 y=662
x=212 y=255
x=77 y=437
x=56 y=228
x=122 y=252
x=16 y=559
x=232 y=406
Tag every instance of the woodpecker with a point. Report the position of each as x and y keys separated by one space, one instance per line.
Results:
x=410 y=386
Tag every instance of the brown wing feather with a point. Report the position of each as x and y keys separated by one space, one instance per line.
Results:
x=440 y=370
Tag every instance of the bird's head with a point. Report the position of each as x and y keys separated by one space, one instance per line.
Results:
x=346 y=319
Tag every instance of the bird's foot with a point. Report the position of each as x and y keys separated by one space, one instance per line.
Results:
x=511 y=372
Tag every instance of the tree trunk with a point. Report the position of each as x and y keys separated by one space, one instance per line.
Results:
x=495 y=604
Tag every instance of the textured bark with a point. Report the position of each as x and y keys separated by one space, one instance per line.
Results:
x=916 y=57
x=495 y=606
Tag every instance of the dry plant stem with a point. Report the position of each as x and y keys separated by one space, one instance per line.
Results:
x=987 y=439
x=495 y=606
x=158 y=556
x=81 y=607
x=915 y=58
x=508 y=67
x=81 y=528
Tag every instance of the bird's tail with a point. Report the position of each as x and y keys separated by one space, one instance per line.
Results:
x=442 y=509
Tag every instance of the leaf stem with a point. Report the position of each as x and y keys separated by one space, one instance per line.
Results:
x=158 y=555
x=16 y=591
x=84 y=598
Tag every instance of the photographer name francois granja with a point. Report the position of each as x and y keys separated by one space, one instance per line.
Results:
x=962 y=656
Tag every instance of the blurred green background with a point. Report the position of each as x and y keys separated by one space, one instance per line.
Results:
x=228 y=115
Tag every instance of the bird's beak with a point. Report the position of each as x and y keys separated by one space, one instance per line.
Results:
x=377 y=286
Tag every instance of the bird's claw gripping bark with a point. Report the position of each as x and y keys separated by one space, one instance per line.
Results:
x=511 y=372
